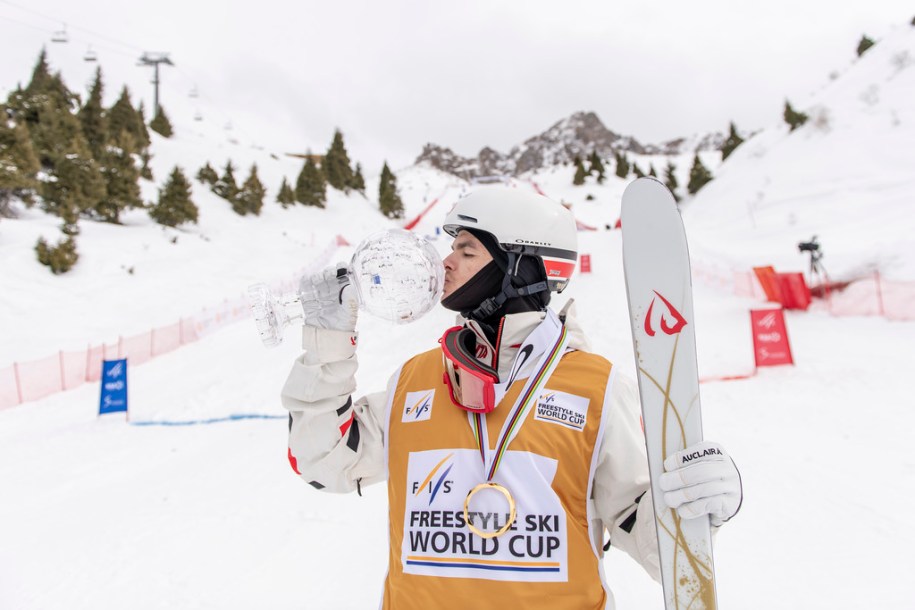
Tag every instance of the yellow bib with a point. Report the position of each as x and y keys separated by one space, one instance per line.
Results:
x=548 y=558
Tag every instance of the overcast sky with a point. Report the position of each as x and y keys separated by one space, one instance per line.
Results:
x=393 y=75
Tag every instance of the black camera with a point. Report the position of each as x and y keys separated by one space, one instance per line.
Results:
x=809 y=246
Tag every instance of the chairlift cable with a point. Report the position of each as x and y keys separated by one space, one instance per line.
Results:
x=71 y=26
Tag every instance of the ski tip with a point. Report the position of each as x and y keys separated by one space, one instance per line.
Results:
x=645 y=191
x=645 y=185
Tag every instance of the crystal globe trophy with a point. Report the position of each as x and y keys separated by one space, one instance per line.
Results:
x=397 y=275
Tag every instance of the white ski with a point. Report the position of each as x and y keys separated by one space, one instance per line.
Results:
x=656 y=262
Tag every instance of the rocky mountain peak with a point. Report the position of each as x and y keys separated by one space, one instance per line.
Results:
x=577 y=135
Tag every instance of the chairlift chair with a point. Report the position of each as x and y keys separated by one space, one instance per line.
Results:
x=194 y=92
x=60 y=35
x=198 y=116
x=90 y=55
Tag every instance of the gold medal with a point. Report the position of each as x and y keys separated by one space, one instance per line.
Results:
x=511 y=510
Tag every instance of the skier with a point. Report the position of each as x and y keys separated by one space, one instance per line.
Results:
x=508 y=449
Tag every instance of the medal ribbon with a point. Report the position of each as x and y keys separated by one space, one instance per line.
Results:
x=545 y=367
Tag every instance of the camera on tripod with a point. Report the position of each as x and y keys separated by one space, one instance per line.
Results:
x=812 y=248
x=809 y=246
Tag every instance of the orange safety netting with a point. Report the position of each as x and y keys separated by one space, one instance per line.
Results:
x=871 y=295
x=27 y=381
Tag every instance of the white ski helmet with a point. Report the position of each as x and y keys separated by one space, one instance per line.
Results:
x=522 y=222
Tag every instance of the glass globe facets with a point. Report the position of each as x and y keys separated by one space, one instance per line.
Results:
x=398 y=275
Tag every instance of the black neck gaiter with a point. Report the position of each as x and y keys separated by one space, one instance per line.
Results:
x=487 y=283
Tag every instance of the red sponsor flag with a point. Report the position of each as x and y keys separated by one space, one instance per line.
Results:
x=584 y=262
x=770 y=337
x=795 y=293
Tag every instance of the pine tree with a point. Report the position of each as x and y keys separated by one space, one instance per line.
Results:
x=18 y=163
x=142 y=134
x=93 y=120
x=145 y=170
x=160 y=123
x=336 y=165
x=175 y=206
x=596 y=166
x=864 y=44
x=121 y=180
x=734 y=140
x=207 y=175
x=358 y=180
x=699 y=176
x=250 y=198
x=41 y=74
x=310 y=187
x=637 y=170
x=77 y=185
x=670 y=179
x=226 y=187
x=652 y=172
x=47 y=108
x=793 y=118
x=388 y=198
x=286 y=196
x=74 y=182
x=580 y=174
x=59 y=258
x=622 y=164
x=123 y=117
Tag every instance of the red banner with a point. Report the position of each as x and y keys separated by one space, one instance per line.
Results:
x=795 y=293
x=584 y=262
x=770 y=337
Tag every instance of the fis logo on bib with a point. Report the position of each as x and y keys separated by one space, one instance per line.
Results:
x=436 y=481
x=418 y=406
x=567 y=410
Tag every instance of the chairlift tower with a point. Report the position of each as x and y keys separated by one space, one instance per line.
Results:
x=154 y=59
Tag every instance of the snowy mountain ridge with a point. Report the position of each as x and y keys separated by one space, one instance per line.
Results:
x=575 y=136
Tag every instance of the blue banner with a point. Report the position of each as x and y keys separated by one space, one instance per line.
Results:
x=114 y=387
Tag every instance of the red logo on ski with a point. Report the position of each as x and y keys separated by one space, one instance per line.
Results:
x=679 y=320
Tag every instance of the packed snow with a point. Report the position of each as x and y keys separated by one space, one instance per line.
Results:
x=105 y=512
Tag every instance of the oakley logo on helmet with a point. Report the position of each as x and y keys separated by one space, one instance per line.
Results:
x=533 y=243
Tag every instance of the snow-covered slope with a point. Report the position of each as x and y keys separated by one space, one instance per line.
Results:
x=846 y=176
x=137 y=275
x=98 y=513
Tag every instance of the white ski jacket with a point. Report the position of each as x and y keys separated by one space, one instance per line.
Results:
x=337 y=445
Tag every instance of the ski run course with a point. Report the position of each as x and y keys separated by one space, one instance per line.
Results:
x=98 y=513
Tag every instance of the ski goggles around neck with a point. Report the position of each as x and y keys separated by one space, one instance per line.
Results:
x=470 y=382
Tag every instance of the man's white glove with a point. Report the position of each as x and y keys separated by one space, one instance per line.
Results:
x=702 y=480
x=329 y=299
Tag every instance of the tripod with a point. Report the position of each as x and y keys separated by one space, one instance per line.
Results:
x=817 y=270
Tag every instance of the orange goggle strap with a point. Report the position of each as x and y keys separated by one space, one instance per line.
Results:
x=459 y=351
